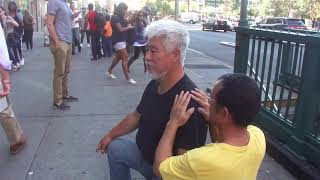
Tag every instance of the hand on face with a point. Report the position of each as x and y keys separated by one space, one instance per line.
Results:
x=179 y=113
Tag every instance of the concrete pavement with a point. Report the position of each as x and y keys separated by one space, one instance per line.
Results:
x=61 y=144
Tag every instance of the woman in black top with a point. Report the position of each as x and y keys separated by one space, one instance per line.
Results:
x=119 y=36
x=28 y=29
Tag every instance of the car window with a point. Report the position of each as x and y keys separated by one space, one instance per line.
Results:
x=270 y=21
x=274 y=21
x=263 y=21
x=295 y=22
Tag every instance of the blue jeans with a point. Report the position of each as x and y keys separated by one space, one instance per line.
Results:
x=124 y=154
x=107 y=46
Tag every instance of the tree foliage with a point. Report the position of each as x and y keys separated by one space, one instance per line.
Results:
x=160 y=6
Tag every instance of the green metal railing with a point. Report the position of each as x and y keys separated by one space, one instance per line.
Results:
x=286 y=65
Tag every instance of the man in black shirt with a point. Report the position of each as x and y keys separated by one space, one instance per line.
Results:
x=167 y=42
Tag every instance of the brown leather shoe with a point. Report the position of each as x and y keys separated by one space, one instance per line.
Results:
x=15 y=148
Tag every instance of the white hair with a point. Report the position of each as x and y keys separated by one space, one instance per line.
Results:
x=172 y=34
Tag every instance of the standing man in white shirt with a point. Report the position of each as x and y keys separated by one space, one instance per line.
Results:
x=8 y=121
x=76 y=28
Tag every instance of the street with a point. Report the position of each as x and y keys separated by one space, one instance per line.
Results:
x=208 y=42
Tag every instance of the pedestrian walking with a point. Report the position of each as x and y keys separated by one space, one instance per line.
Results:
x=139 y=45
x=12 y=38
x=76 y=28
x=95 y=34
x=85 y=32
x=303 y=20
x=9 y=122
x=13 y=12
x=59 y=20
x=28 y=23
x=119 y=28
x=107 y=37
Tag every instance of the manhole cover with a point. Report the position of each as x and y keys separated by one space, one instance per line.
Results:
x=205 y=66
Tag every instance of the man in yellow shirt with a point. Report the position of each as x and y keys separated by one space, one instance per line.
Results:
x=239 y=147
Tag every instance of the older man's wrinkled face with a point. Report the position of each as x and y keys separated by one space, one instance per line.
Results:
x=159 y=61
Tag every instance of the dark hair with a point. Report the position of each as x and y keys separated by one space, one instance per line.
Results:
x=90 y=6
x=107 y=17
x=118 y=10
x=241 y=96
x=15 y=6
x=71 y=3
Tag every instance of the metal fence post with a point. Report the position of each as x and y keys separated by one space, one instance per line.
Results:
x=307 y=110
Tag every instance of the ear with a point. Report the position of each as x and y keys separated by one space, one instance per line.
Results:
x=177 y=54
x=226 y=112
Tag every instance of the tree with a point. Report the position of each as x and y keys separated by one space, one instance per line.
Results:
x=231 y=8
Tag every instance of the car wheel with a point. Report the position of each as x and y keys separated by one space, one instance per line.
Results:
x=225 y=30
x=191 y=21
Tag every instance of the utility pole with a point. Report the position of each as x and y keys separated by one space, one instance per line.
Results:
x=188 y=5
x=176 y=10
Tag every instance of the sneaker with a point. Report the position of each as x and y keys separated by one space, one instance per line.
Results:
x=70 y=99
x=18 y=65
x=131 y=81
x=14 y=68
x=61 y=106
x=111 y=76
x=88 y=45
x=79 y=49
x=81 y=45
x=22 y=62
x=15 y=148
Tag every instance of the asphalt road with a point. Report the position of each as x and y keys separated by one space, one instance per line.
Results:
x=208 y=42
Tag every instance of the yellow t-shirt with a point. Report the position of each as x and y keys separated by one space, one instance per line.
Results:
x=218 y=161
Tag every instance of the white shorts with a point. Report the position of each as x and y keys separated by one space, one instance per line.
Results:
x=119 y=45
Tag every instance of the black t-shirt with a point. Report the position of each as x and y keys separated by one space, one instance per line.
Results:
x=118 y=36
x=155 y=113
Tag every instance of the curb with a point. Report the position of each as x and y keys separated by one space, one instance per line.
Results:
x=230 y=44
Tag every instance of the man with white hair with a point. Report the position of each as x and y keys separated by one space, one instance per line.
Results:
x=168 y=42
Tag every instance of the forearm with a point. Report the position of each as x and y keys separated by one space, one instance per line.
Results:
x=126 y=126
x=165 y=146
x=52 y=32
x=4 y=74
x=124 y=29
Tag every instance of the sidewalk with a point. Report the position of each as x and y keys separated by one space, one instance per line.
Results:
x=61 y=144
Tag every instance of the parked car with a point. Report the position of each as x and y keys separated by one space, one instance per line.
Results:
x=282 y=23
x=215 y=24
x=189 y=17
